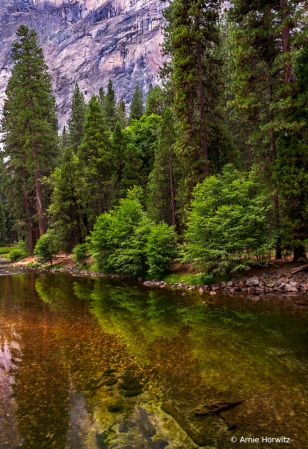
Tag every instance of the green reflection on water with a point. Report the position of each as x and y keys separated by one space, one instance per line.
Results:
x=63 y=333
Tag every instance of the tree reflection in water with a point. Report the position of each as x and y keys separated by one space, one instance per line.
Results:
x=67 y=332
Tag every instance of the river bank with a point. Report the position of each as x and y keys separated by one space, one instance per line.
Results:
x=284 y=281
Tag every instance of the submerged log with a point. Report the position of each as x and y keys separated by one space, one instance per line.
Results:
x=217 y=407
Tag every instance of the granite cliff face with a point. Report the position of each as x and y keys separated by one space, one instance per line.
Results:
x=89 y=42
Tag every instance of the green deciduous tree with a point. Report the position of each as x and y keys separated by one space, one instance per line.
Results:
x=228 y=225
x=143 y=135
x=128 y=242
x=47 y=247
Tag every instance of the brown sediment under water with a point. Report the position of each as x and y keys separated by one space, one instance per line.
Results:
x=102 y=363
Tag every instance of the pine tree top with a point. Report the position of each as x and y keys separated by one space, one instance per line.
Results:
x=136 y=107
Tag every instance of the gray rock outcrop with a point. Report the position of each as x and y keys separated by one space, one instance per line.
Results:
x=253 y=281
x=89 y=42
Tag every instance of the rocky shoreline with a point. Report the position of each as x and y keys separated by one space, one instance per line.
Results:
x=285 y=281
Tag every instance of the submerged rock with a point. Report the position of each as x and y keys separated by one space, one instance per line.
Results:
x=115 y=408
x=160 y=444
x=148 y=429
x=132 y=393
x=192 y=433
x=110 y=382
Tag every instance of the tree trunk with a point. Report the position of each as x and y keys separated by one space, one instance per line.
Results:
x=75 y=232
x=299 y=253
x=38 y=186
x=100 y=203
x=286 y=45
x=39 y=202
x=273 y=157
x=39 y=196
x=276 y=208
x=204 y=149
x=28 y=219
x=174 y=220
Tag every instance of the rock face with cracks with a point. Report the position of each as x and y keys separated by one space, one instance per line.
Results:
x=89 y=42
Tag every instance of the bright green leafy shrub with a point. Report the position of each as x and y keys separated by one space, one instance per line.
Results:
x=160 y=247
x=46 y=247
x=16 y=254
x=126 y=240
x=19 y=250
x=229 y=223
x=80 y=252
x=23 y=246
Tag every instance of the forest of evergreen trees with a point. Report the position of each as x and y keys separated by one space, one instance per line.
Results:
x=212 y=169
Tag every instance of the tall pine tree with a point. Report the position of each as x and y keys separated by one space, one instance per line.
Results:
x=101 y=96
x=121 y=113
x=191 y=36
x=70 y=199
x=136 y=107
x=109 y=107
x=95 y=151
x=164 y=177
x=264 y=85
x=29 y=125
x=155 y=101
x=76 y=119
x=119 y=147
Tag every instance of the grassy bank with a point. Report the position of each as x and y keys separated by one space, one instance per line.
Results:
x=4 y=250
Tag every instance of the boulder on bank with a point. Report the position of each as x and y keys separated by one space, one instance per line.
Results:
x=253 y=281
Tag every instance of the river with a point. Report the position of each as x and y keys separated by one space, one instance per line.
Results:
x=89 y=363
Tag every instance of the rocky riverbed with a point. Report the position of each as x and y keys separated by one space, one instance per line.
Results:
x=284 y=281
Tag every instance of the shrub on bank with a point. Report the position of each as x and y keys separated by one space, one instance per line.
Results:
x=19 y=250
x=80 y=252
x=230 y=223
x=46 y=247
x=126 y=241
x=16 y=254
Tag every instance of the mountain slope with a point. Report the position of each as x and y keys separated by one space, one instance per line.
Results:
x=89 y=42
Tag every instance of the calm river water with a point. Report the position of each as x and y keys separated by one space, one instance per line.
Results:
x=88 y=363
